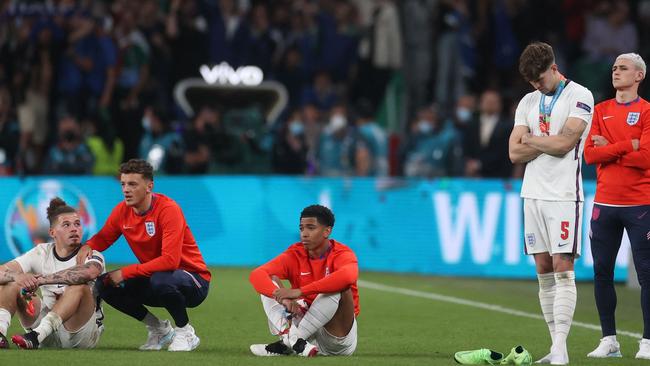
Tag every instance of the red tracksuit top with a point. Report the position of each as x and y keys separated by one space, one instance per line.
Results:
x=623 y=175
x=160 y=239
x=336 y=271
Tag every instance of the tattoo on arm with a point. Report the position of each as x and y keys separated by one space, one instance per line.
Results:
x=6 y=276
x=76 y=275
x=568 y=132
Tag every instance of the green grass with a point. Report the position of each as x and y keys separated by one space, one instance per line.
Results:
x=393 y=329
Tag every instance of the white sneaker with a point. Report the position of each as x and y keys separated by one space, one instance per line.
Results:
x=644 y=349
x=608 y=347
x=544 y=360
x=158 y=337
x=272 y=349
x=184 y=339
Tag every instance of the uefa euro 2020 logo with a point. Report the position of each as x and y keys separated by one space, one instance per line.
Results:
x=26 y=223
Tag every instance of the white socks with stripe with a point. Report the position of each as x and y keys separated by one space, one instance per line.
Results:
x=48 y=325
x=547 y=298
x=5 y=320
x=320 y=312
x=563 y=307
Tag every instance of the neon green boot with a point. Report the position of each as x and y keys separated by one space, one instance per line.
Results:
x=482 y=356
x=518 y=356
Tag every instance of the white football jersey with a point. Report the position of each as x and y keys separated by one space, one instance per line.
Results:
x=549 y=177
x=43 y=260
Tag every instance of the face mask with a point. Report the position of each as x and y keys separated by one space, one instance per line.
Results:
x=69 y=136
x=424 y=127
x=337 y=122
x=146 y=123
x=463 y=114
x=296 y=128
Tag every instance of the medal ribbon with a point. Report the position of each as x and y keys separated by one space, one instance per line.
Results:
x=545 y=111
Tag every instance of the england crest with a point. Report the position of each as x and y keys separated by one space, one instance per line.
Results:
x=151 y=228
x=530 y=239
x=633 y=118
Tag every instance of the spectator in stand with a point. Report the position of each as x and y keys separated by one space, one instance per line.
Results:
x=106 y=147
x=311 y=118
x=132 y=74
x=322 y=93
x=433 y=148
x=228 y=33
x=33 y=101
x=289 y=154
x=70 y=155
x=160 y=146
x=336 y=143
x=187 y=34
x=264 y=40
x=370 y=146
x=291 y=74
x=486 y=140
x=9 y=135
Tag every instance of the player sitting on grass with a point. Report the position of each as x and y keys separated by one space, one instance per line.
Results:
x=67 y=315
x=318 y=314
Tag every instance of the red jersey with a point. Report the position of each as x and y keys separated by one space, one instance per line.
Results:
x=623 y=176
x=336 y=271
x=159 y=238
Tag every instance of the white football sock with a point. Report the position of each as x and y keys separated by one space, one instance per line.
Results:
x=276 y=314
x=48 y=325
x=152 y=321
x=320 y=312
x=5 y=321
x=547 y=298
x=565 y=304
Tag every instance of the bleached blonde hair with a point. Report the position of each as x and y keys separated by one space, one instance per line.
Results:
x=636 y=59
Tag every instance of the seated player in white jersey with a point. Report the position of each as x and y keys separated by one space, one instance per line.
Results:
x=67 y=314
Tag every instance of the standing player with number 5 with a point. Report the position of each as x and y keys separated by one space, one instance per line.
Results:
x=551 y=125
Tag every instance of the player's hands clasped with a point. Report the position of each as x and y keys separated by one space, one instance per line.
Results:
x=286 y=293
x=84 y=252
x=27 y=281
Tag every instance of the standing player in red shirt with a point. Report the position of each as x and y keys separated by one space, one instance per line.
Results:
x=317 y=315
x=171 y=273
x=619 y=142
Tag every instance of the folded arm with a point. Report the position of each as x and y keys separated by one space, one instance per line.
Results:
x=560 y=144
x=521 y=153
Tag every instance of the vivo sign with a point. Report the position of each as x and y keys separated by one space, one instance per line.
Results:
x=225 y=74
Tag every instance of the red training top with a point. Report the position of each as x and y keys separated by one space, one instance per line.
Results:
x=623 y=176
x=336 y=271
x=159 y=238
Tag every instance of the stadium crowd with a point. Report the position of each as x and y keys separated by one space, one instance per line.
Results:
x=85 y=85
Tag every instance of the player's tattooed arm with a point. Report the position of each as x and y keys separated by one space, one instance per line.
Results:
x=9 y=271
x=76 y=275
x=6 y=276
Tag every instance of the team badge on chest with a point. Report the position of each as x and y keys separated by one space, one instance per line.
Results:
x=151 y=228
x=633 y=118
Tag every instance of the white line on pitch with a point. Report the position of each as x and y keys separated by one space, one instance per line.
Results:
x=476 y=304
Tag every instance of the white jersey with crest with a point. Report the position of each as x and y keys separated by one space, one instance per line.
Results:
x=43 y=260
x=549 y=177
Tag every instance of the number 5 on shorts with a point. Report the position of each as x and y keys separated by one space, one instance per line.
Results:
x=564 y=228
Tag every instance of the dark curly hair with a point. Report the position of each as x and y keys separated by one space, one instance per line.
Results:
x=323 y=215
x=536 y=58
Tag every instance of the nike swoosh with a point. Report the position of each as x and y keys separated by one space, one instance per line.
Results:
x=304 y=273
x=562 y=244
x=608 y=117
x=127 y=227
x=642 y=215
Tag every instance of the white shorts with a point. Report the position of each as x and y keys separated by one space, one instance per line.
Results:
x=552 y=227
x=329 y=345
x=85 y=337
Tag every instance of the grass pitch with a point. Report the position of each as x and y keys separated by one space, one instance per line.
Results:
x=394 y=329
